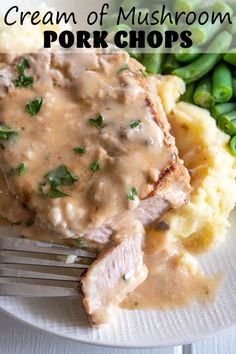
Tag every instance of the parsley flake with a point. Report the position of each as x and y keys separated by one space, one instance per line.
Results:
x=123 y=68
x=80 y=242
x=95 y=166
x=132 y=194
x=80 y=149
x=55 y=193
x=135 y=124
x=21 y=67
x=24 y=81
x=144 y=72
x=97 y=122
x=124 y=277
x=61 y=176
x=34 y=106
x=6 y=133
x=22 y=169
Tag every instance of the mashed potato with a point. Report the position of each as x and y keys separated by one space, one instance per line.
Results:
x=17 y=39
x=203 y=221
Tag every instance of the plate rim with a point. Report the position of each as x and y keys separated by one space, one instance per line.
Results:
x=192 y=337
x=171 y=343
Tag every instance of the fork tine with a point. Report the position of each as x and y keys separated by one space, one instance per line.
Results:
x=35 y=261
x=19 y=273
x=42 y=282
x=29 y=290
x=28 y=269
x=20 y=244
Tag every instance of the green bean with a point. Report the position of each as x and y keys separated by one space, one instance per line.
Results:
x=134 y=54
x=110 y=20
x=221 y=109
x=123 y=27
x=113 y=6
x=232 y=27
x=223 y=8
x=230 y=57
x=234 y=89
x=128 y=4
x=227 y=122
x=142 y=14
x=160 y=28
x=170 y=64
x=202 y=34
x=200 y=67
x=188 y=95
x=117 y=28
x=222 y=87
x=153 y=62
x=202 y=95
x=221 y=43
x=186 y=55
x=233 y=7
x=232 y=145
x=187 y=5
x=167 y=23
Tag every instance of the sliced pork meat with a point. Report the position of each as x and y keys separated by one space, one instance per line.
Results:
x=85 y=140
x=118 y=271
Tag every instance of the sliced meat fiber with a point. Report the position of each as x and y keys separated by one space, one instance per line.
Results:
x=118 y=271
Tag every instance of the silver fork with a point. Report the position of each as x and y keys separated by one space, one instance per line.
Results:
x=36 y=269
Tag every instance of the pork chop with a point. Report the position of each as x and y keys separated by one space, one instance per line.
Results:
x=98 y=147
x=85 y=144
x=117 y=272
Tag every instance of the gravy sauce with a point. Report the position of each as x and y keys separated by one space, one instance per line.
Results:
x=173 y=279
x=75 y=89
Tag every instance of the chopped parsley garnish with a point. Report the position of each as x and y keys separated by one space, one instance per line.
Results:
x=6 y=133
x=29 y=222
x=22 y=169
x=34 y=106
x=133 y=193
x=95 y=166
x=80 y=149
x=135 y=124
x=97 y=122
x=40 y=188
x=21 y=67
x=55 y=193
x=143 y=72
x=61 y=176
x=24 y=81
x=124 y=277
x=123 y=68
x=80 y=242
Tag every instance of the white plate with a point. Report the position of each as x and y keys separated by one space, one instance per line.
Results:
x=151 y=328
x=66 y=318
